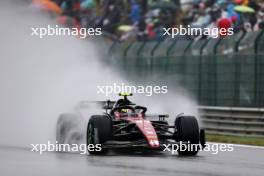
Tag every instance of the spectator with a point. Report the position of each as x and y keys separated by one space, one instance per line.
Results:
x=146 y=18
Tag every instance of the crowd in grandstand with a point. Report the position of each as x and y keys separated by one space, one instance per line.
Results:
x=145 y=19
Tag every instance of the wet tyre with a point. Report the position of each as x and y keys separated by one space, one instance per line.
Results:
x=99 y=130
x=187 y=131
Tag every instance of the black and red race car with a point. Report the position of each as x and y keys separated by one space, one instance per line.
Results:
x=128 y=126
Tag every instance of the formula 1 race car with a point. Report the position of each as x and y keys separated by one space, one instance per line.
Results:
x=127 y=125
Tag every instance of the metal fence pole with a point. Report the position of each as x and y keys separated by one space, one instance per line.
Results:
x=257 y=86
x=126 y=50
x=152 y=52
x=170 y=48
x=140 y=49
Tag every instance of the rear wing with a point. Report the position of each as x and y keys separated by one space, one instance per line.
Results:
x=108 y=104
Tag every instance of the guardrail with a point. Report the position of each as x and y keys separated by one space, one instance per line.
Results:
x=233 y=121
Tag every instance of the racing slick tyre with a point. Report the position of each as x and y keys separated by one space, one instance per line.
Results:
x=68 y=129
x=187 y=131
x=99 y=130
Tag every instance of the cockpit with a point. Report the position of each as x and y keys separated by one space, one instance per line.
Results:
x=128 y=111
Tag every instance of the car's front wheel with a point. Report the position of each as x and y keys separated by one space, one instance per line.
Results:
x=99 y=130
x=187 y=132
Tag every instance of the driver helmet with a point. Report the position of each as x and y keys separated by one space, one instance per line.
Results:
x=122 y=102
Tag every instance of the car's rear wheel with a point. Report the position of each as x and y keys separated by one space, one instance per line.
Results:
x=99 y=130
x=187 y=131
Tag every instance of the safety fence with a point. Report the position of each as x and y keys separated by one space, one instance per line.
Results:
x=233 y=121
x=218 y=72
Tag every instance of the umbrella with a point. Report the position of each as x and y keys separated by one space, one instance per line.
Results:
x=244 y=9
x=221 y=1
x=48 y=5
x=164 y=5
x=66 y=20
x=238 y=1
x=87 y=4
x=125 y=28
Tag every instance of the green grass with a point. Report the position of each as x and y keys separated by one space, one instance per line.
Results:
x=235 y=139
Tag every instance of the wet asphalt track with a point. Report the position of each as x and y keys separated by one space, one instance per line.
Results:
x=241 y=162
x=22 y=162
